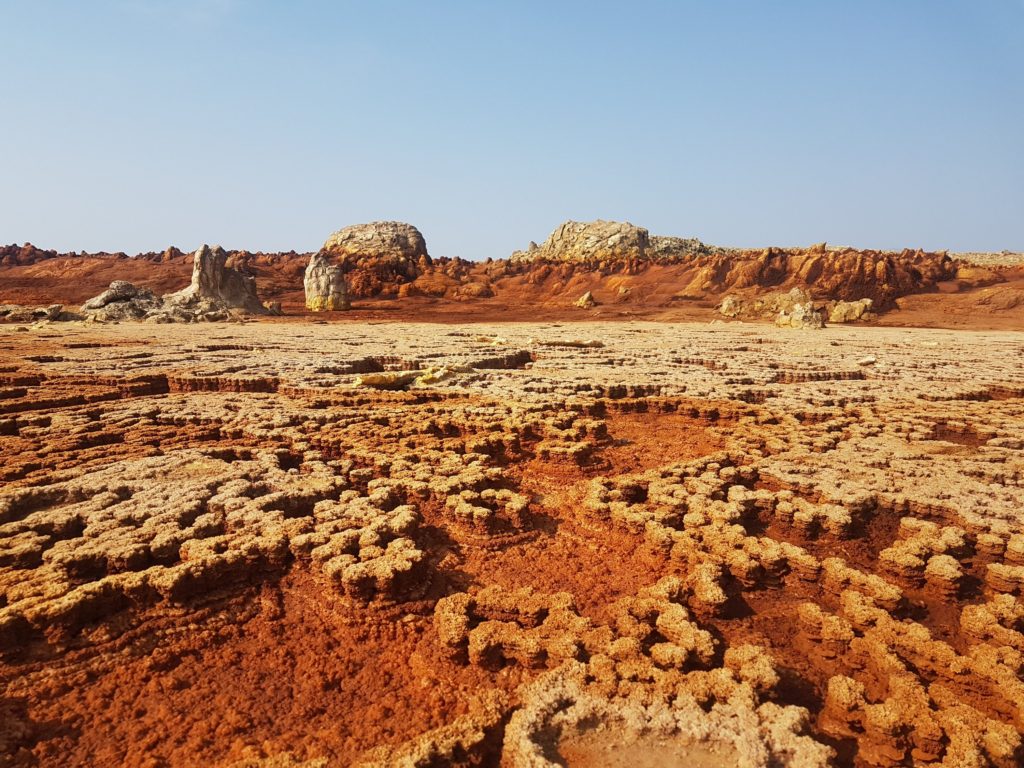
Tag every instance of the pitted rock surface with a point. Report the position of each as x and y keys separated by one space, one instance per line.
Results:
x=417 y=544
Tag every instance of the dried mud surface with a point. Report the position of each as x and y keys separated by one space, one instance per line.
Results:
x=274 y=544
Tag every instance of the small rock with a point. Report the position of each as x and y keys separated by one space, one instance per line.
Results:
x=731 y=306
x=586 y=301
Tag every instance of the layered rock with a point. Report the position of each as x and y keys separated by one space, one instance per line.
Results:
x=325 y=286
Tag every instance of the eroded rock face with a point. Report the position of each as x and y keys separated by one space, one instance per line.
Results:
x=215 y=286
x=590 y=241
x=325 y=286
x=388 y=240
x=672 y=269
x=665 y=248
x=849 y=311
x=15 y=313
x=121 y=301
x=378 y=257
x=214 y=293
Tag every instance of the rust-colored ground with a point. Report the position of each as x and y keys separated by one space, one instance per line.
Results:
x=989 y=297
x=720 y=545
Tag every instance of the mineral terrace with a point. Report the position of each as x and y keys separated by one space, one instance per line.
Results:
x=594 y=544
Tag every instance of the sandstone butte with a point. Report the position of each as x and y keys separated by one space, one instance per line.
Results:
x=790 y=536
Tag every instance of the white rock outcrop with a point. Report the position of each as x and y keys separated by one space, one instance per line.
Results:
x=325 y=286
x=215 y=292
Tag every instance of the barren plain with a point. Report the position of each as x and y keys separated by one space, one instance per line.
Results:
x=580 y=544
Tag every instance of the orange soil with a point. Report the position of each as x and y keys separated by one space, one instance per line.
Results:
x=651 y=292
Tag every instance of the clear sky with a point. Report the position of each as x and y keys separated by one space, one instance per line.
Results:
x=135 y=124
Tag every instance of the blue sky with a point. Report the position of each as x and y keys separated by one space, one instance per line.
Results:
x=134 y=124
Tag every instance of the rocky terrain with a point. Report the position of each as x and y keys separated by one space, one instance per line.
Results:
x=519 y=544
x=213 y=294
x=595 y=270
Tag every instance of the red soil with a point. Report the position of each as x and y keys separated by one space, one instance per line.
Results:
x=911 y=288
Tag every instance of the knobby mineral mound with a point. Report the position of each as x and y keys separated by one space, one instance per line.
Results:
x=383 y=269
x=611 y=544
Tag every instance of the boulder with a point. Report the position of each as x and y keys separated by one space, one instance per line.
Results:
x=119 y=290
x=121 y=301
x=326 y=289
x=586 y=301
x=766 y=307
x=472 y=290
x=849 y=311
x=973 y=276
x=801 y=316
x=731 y=306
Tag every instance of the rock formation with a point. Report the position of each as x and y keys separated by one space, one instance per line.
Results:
x=214 y=292
x=379 y=256
x=610 y=241
x=324 y=283
x=846 y=275
x=122 y=301
x=385 y=240
x=590 y=241
x=849 y=311
x=800 y=316
x=15 y=313
x=389 y=260
x=215 y=286
x=586 y=301
x=765 y=306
